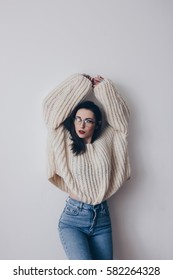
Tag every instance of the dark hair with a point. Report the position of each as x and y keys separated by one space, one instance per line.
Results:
x=78 y=144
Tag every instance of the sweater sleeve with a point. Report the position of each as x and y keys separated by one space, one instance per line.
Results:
x=59 y=102
x=117 y=112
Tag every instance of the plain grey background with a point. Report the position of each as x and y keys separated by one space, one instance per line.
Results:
x=42 y=43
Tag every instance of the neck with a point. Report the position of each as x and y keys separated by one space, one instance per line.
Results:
x=88 y=140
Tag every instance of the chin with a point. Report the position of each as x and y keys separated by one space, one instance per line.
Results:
x=81 y=136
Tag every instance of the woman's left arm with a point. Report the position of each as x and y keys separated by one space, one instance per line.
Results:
x=116 y=109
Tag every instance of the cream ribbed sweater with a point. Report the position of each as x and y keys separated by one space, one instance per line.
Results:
x=98 y=173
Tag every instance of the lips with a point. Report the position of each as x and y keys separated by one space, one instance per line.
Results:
x=81 y=132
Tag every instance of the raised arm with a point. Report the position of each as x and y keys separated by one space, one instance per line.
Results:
x=59 y=102
x=117 y=112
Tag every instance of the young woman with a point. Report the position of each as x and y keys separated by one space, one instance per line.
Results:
x=87 y=160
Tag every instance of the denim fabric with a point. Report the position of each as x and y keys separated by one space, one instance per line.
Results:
x=85 y=231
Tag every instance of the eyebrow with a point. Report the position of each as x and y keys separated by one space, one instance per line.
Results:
x=85 y=118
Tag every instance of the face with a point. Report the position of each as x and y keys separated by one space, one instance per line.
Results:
x=85 y=124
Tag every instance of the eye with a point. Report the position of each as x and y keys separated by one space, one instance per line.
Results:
x=89 y=121
x=78 y=119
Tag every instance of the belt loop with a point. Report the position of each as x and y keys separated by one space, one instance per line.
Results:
x=81 y=205
x=101 y=206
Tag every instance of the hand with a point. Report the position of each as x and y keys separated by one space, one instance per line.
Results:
x=88 y=77
x=96 y=80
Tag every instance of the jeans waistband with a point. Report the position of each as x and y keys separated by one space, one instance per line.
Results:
x=84 y=205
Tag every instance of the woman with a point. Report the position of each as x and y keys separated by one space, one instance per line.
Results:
x=88 y=161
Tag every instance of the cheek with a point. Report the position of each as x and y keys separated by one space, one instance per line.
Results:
x=91 y=130
x=75 y=127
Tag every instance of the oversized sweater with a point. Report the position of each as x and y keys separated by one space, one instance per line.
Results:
x=100 y=171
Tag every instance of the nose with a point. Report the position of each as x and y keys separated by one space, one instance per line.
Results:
x=82 y=125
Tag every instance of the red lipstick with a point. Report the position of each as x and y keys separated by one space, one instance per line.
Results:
x=81 y=131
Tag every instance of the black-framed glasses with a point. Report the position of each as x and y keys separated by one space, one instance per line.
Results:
x=87 y=121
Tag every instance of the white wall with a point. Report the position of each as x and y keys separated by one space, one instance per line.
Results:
x=42 y=43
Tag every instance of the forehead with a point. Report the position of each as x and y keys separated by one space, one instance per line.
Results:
x=85 y=113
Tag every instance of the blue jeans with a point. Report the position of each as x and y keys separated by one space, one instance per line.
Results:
x=85 y=231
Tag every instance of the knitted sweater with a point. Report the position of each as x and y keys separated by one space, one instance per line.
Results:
x=99 y=172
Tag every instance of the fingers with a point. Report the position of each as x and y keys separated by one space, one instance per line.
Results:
x=96 y=80
x=87 y=76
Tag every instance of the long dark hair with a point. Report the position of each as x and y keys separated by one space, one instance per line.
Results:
x=78 y=144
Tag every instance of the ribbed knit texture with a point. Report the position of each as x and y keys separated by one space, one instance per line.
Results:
x=98 y=173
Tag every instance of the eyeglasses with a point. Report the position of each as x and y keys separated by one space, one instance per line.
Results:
x=87 y=121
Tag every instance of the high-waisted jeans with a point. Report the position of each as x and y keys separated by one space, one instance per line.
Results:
x=85 y=231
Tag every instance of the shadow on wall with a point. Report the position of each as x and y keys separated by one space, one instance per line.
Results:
x=122 y=233
x=122 y=205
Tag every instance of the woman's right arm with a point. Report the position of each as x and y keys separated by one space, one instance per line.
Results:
x=59 y=102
